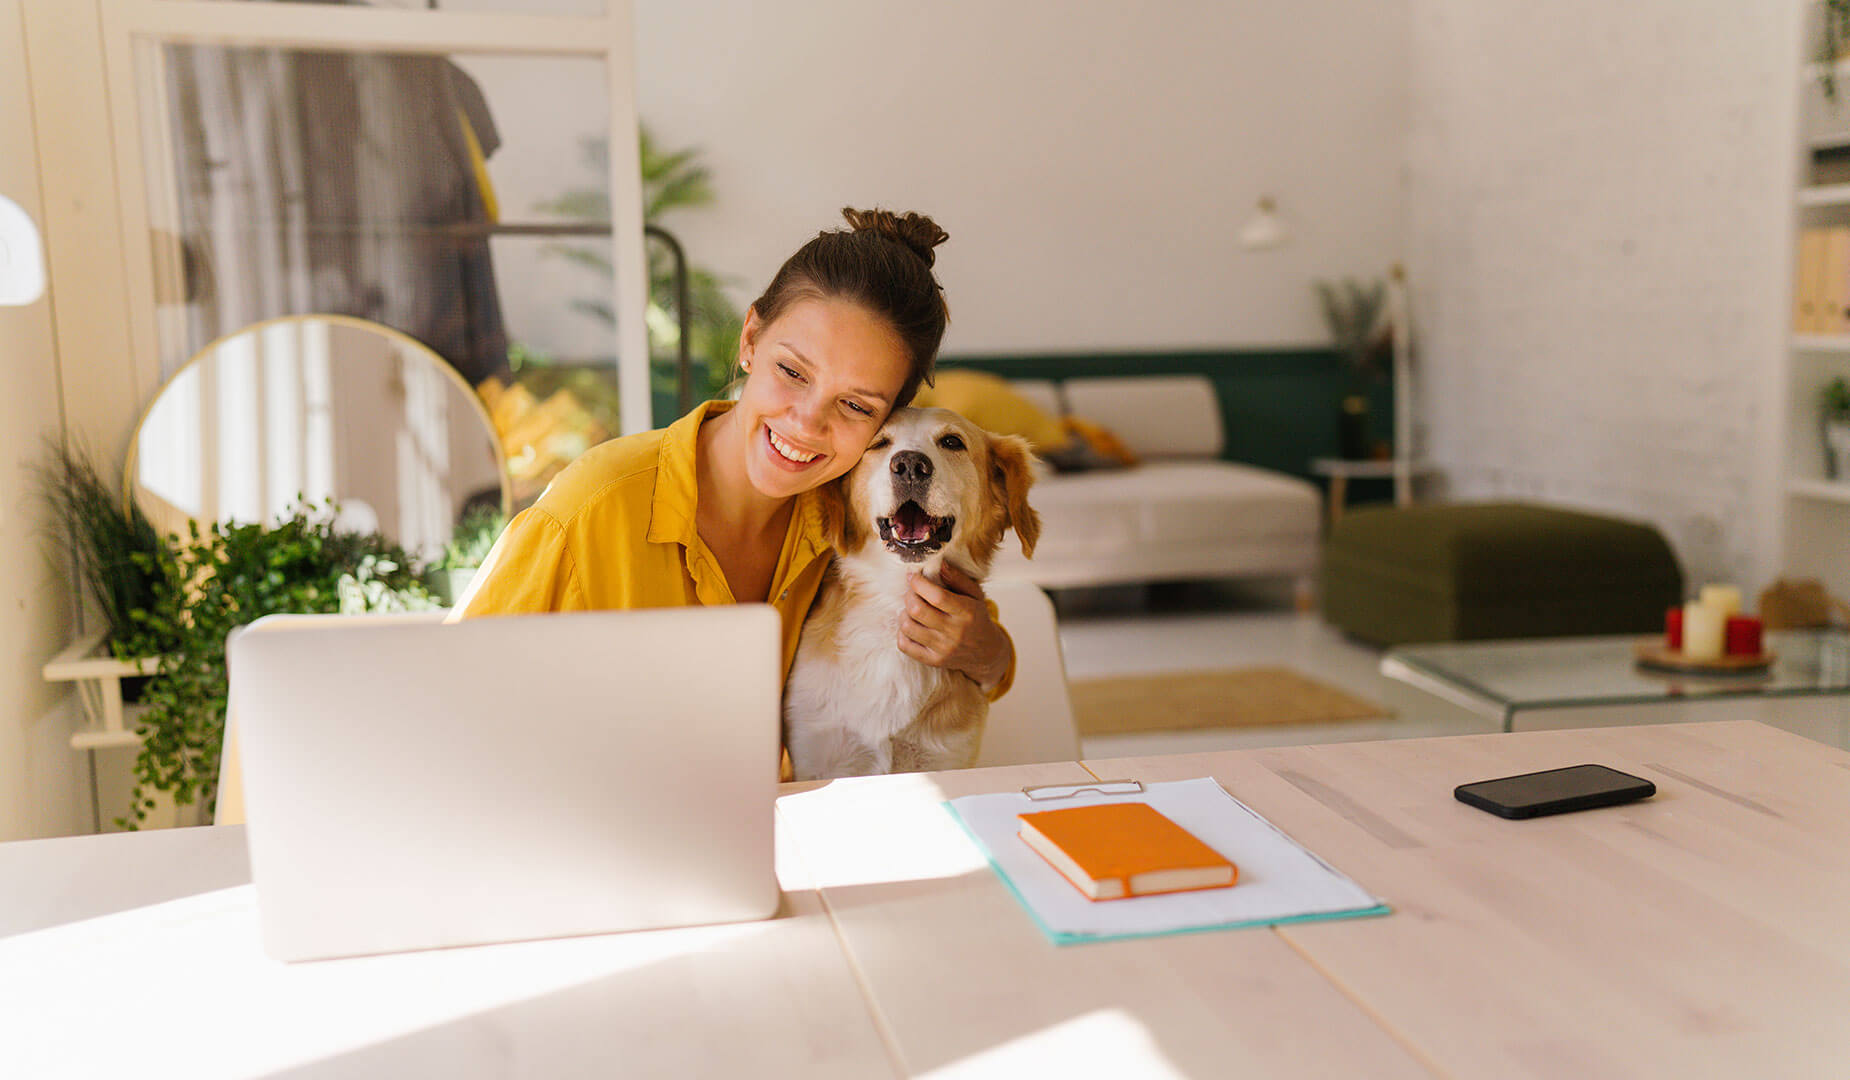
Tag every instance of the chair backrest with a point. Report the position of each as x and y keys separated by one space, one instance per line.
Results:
x=229 y=809
x=1034 y=721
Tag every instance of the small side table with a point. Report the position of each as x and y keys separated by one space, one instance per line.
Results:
x=1341 y=470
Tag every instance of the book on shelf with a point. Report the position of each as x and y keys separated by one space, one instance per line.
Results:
x=1834 y=287
x=1822 y=289
x=1117 y=850
x=1805 y=294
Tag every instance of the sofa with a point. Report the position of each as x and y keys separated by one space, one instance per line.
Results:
x=1179 y=513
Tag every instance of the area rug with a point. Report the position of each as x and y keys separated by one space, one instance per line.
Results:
x=1231 y=697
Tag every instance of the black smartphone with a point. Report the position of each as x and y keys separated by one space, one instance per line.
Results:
x=1555 y=791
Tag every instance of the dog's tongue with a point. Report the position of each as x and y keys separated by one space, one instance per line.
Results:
x=912 y=524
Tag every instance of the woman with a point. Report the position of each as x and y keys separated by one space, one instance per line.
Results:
x=722 y=506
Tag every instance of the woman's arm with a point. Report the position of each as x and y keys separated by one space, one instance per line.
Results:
x=952 y=625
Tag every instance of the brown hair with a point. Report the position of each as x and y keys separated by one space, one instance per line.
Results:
x=882 y=261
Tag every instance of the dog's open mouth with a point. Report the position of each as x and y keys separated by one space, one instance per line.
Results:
x=912 y=534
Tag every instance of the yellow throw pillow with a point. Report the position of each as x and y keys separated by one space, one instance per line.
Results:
x=1103 y=441
x=986 y=401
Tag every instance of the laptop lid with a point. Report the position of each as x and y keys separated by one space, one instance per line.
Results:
x=411 y=785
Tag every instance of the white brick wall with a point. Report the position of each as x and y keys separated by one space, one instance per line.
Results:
x=1599 y=218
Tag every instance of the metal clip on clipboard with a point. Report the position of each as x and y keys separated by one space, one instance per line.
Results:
x=1094 y=787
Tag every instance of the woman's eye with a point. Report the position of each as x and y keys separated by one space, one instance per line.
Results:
x=790 y=372
x=951 y=442
x=859 y=408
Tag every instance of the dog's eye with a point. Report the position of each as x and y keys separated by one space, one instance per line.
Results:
x=880 y=442
x=951 y=442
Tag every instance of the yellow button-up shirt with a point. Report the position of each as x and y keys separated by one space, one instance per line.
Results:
x=615 y=531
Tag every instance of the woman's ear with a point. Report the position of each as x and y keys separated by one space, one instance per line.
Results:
x=748 y=333
x=1012 y=463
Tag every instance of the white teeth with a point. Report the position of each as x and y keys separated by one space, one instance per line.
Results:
x=788 y=452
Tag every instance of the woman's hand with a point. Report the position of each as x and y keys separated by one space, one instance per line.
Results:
x=948 y=626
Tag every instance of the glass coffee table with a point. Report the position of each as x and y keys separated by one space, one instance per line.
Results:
x=1499 y=679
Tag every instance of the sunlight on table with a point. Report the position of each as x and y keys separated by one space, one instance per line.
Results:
x=922 y=843
x=1106 y=1042
x=188 y=981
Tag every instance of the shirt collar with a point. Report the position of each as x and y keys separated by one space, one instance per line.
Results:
x=671 y=512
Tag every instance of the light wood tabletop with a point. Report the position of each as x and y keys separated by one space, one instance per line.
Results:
x=156 y=969
x=1700 y=933
x=967 y=985
x=1703 y=932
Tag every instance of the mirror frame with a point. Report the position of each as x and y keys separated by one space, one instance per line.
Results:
x=399 y=336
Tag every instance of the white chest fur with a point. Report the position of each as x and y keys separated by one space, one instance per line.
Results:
x=855 y=704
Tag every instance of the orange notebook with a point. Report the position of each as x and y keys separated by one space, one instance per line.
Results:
x=1125 y=849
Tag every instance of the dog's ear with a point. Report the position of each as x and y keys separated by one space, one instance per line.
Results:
x=834 y=502
x=1012 y=472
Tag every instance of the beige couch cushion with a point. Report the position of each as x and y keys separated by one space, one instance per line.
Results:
x=1157 y=416
x=1170 y=502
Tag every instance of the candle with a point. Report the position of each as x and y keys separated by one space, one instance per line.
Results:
x=1703 y=627
x=1725 y=597
x=1743 y=636
x=1673 y=629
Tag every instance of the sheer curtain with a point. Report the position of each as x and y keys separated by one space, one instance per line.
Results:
x=335 y=182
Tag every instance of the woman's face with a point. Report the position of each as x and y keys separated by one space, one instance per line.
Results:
x=821 y=380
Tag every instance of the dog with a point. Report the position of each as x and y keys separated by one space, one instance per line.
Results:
x=932 y=488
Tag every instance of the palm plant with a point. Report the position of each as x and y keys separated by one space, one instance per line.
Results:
x=120 y=555
x=671 y=180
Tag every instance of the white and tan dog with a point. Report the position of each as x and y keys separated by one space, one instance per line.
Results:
x=932 y=487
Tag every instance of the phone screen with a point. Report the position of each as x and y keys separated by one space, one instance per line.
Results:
x=1573 y=788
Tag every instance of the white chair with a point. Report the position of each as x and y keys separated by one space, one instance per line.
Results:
x=1033 y=722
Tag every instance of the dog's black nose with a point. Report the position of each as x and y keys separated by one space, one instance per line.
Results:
x=911 y=465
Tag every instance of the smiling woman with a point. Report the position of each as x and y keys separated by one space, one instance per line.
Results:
x=725 y=505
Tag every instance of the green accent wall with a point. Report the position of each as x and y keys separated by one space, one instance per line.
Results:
x=1279 y=407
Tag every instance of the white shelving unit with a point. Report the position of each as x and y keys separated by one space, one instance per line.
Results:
x=99 y=686
x=1822 y=490
x=1815 y=509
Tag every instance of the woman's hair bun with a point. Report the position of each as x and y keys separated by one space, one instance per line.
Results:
x=916 y=231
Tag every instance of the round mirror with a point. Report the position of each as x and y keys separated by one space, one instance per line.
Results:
x=330 y=409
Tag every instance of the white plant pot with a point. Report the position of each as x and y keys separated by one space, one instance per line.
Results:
x=1837 y=449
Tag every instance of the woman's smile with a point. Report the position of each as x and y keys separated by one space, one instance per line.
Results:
x=787 y=453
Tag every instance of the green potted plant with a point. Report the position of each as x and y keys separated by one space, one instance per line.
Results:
x=1833 y=42
x=671 y=180
x=119 y=555
x=1353 y=312
x=1834 y=422
x=224 y=576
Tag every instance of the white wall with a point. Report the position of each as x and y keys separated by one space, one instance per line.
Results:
x=1598 y=235
x=1092 y=162
x=40 y=790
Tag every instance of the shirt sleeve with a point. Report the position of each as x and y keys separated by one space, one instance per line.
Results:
x=528 y=571
x=1008 y=677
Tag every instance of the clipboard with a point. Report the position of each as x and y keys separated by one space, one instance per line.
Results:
x=1280 y=880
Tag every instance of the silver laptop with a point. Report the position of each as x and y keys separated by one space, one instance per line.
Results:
x=412 y=785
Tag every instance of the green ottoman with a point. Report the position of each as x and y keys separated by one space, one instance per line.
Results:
x=1393 y=575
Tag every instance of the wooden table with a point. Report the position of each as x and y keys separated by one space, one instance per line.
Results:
x=1705 y=932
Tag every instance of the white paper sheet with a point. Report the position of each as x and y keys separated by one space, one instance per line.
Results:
x=1279 y=880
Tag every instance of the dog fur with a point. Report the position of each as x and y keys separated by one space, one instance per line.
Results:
x=854 y=704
